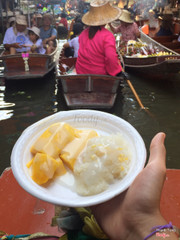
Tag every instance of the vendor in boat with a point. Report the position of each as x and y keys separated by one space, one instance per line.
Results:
x=166 y=27
x=128 y=28
x=34 y=44
x=16 y=36
x=48 y=33
x=97 y=47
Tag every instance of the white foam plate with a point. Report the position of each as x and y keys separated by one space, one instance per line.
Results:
x=57 y=193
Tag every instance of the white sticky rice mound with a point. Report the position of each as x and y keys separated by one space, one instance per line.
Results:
x=105 y=160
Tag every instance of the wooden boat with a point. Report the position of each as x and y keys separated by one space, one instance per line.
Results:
x=26 y=219
x=169 y=42
x=87 y=90
x=39 y=65
x=35 y=211
x=153 y=65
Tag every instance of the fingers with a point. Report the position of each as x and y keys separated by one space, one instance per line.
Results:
x=157 y=150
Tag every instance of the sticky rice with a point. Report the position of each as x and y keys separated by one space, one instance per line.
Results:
x=105 y=160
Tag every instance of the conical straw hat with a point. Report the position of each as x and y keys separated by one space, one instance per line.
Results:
x=126 y=17
x=100 y=13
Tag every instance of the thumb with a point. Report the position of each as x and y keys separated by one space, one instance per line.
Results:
x=157 y=150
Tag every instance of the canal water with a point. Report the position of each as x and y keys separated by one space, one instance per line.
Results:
x=24 y=103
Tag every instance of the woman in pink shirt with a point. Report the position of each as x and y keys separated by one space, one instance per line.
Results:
x=97 y=47
x=128 y=28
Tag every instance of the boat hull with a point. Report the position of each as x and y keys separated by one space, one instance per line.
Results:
x=39 y=66
x=154 y=65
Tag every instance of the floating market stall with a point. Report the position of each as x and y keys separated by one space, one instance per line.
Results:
x=149 y=57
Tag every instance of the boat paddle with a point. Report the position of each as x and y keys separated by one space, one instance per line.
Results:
x=135 y=94
x=125 y=77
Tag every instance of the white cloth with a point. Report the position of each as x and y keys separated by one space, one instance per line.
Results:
x=10 y=38
x=179 y=38
x=39 y=45
x=75 y=44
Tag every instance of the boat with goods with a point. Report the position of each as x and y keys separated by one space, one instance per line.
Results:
x=148 y=56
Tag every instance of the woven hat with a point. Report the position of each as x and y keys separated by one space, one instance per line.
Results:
x=100 y=13
x=38 y=15
x=21 y=20
x=167 y=15
x=35 y=30
x=126 y=17
x=10 y=20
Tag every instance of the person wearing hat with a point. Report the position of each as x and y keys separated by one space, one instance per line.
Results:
x=34 y=43
x=128 y=28
x=16 y=36
x=48 y=33
x=37 y=20
x=11 y=22
x=166 y=27
x=97 y=47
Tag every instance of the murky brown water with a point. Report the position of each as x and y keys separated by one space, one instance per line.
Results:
x=23 y=104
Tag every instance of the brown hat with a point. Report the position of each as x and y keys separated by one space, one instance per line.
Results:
x=100 y=13
x=35 y=30
x=38 y=15
x=126 y=16
x=21 y=20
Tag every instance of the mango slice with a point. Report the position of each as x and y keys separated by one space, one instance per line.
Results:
x=44 y=168
x=54 y=139
x=71 y=151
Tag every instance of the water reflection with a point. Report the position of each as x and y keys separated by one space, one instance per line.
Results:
x=5 y=114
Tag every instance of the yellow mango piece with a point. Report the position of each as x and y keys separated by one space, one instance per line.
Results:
x=61 y=170
x=29 y=164
x=54 y=139
x=44 y=167
x=44 y=138
x=71 y=151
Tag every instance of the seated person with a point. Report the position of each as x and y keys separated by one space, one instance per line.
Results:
x=16 y=36
x=48 y=33
x=62 y=31
x=11 y=22
x=37 y=20
x=64 y=20
x=74 y=42
x=128 y=28
x=97 y=47
x=166 y=27
x=34 y=44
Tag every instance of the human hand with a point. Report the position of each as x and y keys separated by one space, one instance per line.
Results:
x=44 y=41
x=132 y=214
x=17 y=45
x=33 y=48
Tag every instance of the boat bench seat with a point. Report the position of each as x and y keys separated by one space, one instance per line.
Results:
x=89 y=90
x=172 y=45
x=163 y=39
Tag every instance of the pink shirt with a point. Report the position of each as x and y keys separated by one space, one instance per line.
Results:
x=129 y=32
x=98 y=55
